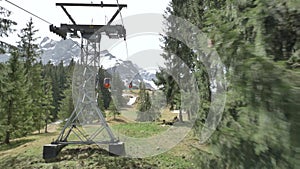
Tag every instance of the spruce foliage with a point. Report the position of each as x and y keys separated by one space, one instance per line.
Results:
x=144 y=105
x=258 y=42
x=16 y=118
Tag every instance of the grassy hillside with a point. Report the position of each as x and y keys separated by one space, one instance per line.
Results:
x=27 y=152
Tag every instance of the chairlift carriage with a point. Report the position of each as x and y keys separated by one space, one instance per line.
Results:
x=106 y=83
x=87 y=101
x=130 y=85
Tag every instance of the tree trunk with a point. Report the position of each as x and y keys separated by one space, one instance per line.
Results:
x=180 y=115
x=39 y=124
x=188 y=114
x=7 y=137
x=46 y=127
x=9 y=116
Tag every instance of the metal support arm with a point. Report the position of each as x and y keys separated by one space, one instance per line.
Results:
x=88 y=30
x=91 y=5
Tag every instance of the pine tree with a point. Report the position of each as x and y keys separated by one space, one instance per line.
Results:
x=15 y=112
x=59 y=84
x=57 y=95
x=117 y=90
x=113 y=110
x=170 y=87
x=257 y=47
x=29 y=52
x=117 y=87
x=157 y=103
x=37 y=94
x=49 y=74
x=27 y=44
x=47 y=100
x=261 y=92
x=144 y=105
x=5 y=28
x=67 y=103
x=177 y=54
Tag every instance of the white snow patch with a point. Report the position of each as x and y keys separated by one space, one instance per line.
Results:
x=46 y=42
x=51 y=48
x=177 y=111
x=151 y=83
x=108 y=62
x=152 y=70
x=132 y=99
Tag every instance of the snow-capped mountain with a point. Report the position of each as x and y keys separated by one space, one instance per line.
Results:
x=66 y=50
x=148 y=76
x=57 y=51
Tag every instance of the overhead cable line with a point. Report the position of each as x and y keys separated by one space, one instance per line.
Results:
x=28 y=12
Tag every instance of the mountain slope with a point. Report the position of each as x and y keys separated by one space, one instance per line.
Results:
x=66 y=50
x=57 y=51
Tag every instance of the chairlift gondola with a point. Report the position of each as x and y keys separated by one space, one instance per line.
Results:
x=130 y=85
x=106 y=83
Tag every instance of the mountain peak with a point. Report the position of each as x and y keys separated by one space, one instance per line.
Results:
x=66 y=50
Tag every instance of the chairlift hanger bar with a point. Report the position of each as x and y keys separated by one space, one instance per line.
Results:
x=92 y=5
x=120 y=6
x=114 y=16
x=69 y=16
